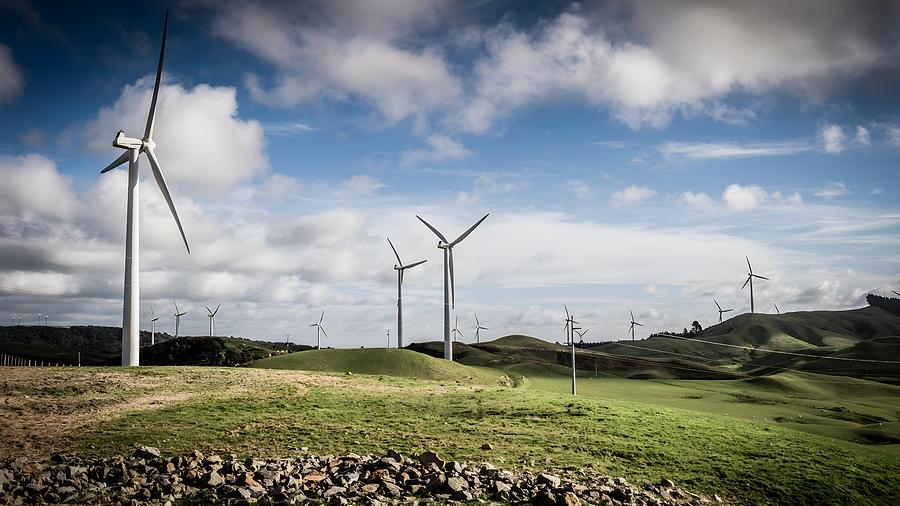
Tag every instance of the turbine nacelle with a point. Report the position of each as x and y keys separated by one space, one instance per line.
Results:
x=123 y=142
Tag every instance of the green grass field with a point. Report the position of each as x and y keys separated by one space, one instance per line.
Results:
x=639 y=429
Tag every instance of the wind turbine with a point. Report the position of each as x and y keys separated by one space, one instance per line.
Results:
x=478 y=329
x=212 y=319
x=449 y=289
x=399 y=267
x=319 y=328
x=633 y=323
x=456 y=331
x=581 y=334
x=750 y=277
x=776 y=308
x=721 y=311
x=153 y=319
x=177 y=317
x=133 y=149
x=571 y=329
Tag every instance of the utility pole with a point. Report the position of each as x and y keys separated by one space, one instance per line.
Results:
x=388 y=338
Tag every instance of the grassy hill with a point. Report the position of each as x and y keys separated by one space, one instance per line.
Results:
x=220 y=351
x=378 y=361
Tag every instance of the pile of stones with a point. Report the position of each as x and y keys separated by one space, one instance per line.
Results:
x=149 y=478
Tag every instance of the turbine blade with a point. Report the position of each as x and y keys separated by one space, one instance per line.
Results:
x=745 y=283
x=313 y=324
x=748 y=264
x=148 y=132
x=632 y=314
x=452 y=281
x=639 y=324
x=399 y=262
x=117 y=162
x=567 y=311
x=717 y=305
x=323 y=331
x=217 y=309
x=476 y=320
x=161 y=181
x=208 y=310
x=727 y=310
x=467 y=232
x=322 y=317
x=895 y=293
x=176 y=305
x=410 y=266
x=440 y=235
x=760 y=277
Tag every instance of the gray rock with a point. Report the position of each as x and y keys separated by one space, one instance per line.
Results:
x=548 y=479
x=147 y=452
x=214 y=479
x=456 y=484
x=430 y=457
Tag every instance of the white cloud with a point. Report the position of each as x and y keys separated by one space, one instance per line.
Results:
x=438 y=148
x=893 y=135
x=832 y=189
x=579 y=188
x=631 y=195
x=698 y=200
x=742 y=198
x=33 y=185
x=863 y=136
x=362 y=185
x=288 y=129
x=716 y=151
x=832 y=138
x=745 y=198
x=12 y=82
x=201 y=140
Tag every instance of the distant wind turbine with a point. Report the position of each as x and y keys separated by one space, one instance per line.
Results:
x=153 y=319
x=571 y=329
x=478 y=329
x=776 y=308
x=133 y=149
x=319 y=328
x=456 y=331
x=750 y=277
x=177 y=318
x=212 y=319
x=449 y=289
x=633 y=323
x=722 y=311
x=399 y=267
x=581 y=334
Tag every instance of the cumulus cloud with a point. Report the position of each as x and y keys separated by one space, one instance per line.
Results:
x=717 y=151
x=201 y=140
x=832 y=138
x=631 y=195
x=12 y=81
x=438 y=148
x=362 y=185
x=33 y=186
x=745 y=198
x=697 y=200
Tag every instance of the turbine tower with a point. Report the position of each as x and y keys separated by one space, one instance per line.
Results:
x=456 y=331
x=319 y=328
x=399 y=267
x=750 y=277
x=449 y=289
x=478 y=329
x=212 y=319
x=133 y=149
x=153 y=319
x=571 y=329
x=633 y=323
x=721 y=311
x=177 y=318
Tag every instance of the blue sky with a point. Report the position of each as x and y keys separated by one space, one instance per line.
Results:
x=630 y=154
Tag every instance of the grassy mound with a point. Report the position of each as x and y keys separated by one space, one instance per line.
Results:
x=377 y=361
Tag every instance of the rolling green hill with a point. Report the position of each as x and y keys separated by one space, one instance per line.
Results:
x=378 y=361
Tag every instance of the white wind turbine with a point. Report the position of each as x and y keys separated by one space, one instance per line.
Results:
x=478 y=329
x=319 y=328
x=633 y=323
x=212 y=319
x=571 y=330
x=721 y=311
x=750 y=277
x=456 y=331
x=449 y=289
x=153 y=319
x=133 y=149
x=400 y=268
x=177 y=317
x=581 y=334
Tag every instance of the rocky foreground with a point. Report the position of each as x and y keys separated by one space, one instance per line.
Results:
x=148 y=478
